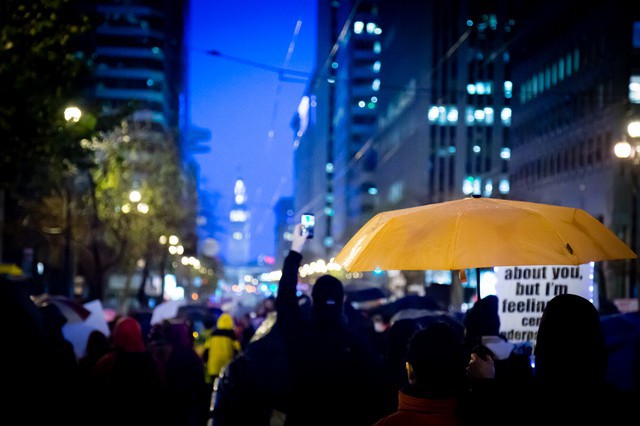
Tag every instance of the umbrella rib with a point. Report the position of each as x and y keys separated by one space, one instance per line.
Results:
x=454 y=245
x=567 y=246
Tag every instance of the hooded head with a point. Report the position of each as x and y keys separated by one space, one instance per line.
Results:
x=225 y=322
x=127 y=335
x=327 y=296
x=570 y=347
x=482 y=320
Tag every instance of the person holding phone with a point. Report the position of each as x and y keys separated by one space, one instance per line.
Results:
x=336 y=377
x=308 y=222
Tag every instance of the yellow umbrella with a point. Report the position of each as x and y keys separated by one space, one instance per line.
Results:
x=479 y=233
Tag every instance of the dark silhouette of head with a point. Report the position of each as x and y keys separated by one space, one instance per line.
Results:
x=482 y=320
x=570 y=347
x=97 y=344
x=327 y=297
x=436 y=356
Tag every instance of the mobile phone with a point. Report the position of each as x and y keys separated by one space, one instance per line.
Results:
x=308 y=221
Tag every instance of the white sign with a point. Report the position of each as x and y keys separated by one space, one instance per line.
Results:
x=523 y=293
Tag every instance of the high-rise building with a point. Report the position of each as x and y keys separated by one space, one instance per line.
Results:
x=522 y=100
x=576 y=70
x=408 y=106
x=140 y=61
x=336 y=119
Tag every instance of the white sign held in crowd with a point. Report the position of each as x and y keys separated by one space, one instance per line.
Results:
x=523 y=292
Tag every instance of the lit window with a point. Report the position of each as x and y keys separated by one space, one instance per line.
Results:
x=488 y=113
x=467 y=185
x=471 y=89
x=237 y=215
x=505 y=116
x=237 y=236
x=452 y=115
x=358 y=26
x=488 y=188
x=433 y=113
x=508 y=89
x=376 y=66
x=377 y=47
x=634 y=89
x=328 y=168
x=376 y=84
x=371 y=27
x=469 y=117
x=442 y=115
x=505 y=153
x=504 y=186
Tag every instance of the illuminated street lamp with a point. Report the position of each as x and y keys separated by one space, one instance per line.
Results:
x=630 y=149
x=72 y=114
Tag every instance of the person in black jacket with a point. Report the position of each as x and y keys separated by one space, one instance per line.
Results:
x=336 y=375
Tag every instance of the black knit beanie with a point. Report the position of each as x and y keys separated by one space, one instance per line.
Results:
x=327 y=296
x=483 y=319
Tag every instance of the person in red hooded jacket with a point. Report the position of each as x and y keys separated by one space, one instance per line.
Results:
x=127 y=381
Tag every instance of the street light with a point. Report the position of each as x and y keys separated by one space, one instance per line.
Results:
x=630 y=148
x=72 y=114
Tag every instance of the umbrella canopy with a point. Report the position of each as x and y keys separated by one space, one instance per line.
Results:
x=362 y=291
x=73 y=311
x=412 y=301
x=480 y=233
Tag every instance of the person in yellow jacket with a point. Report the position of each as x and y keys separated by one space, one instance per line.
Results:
x=222 y=346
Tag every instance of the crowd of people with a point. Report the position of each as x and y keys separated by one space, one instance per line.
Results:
x=310 y=361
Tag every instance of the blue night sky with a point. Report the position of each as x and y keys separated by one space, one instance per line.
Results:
x=241 y=104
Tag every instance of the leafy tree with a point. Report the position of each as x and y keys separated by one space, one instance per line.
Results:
x=42 y=71
x=43 y=68
x=133 y=159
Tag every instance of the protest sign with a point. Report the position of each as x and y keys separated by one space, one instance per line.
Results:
x=523 y=292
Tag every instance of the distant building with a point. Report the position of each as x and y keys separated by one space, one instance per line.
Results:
x=239 y=240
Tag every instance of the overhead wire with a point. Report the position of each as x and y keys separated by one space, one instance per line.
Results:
x=271 y=135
